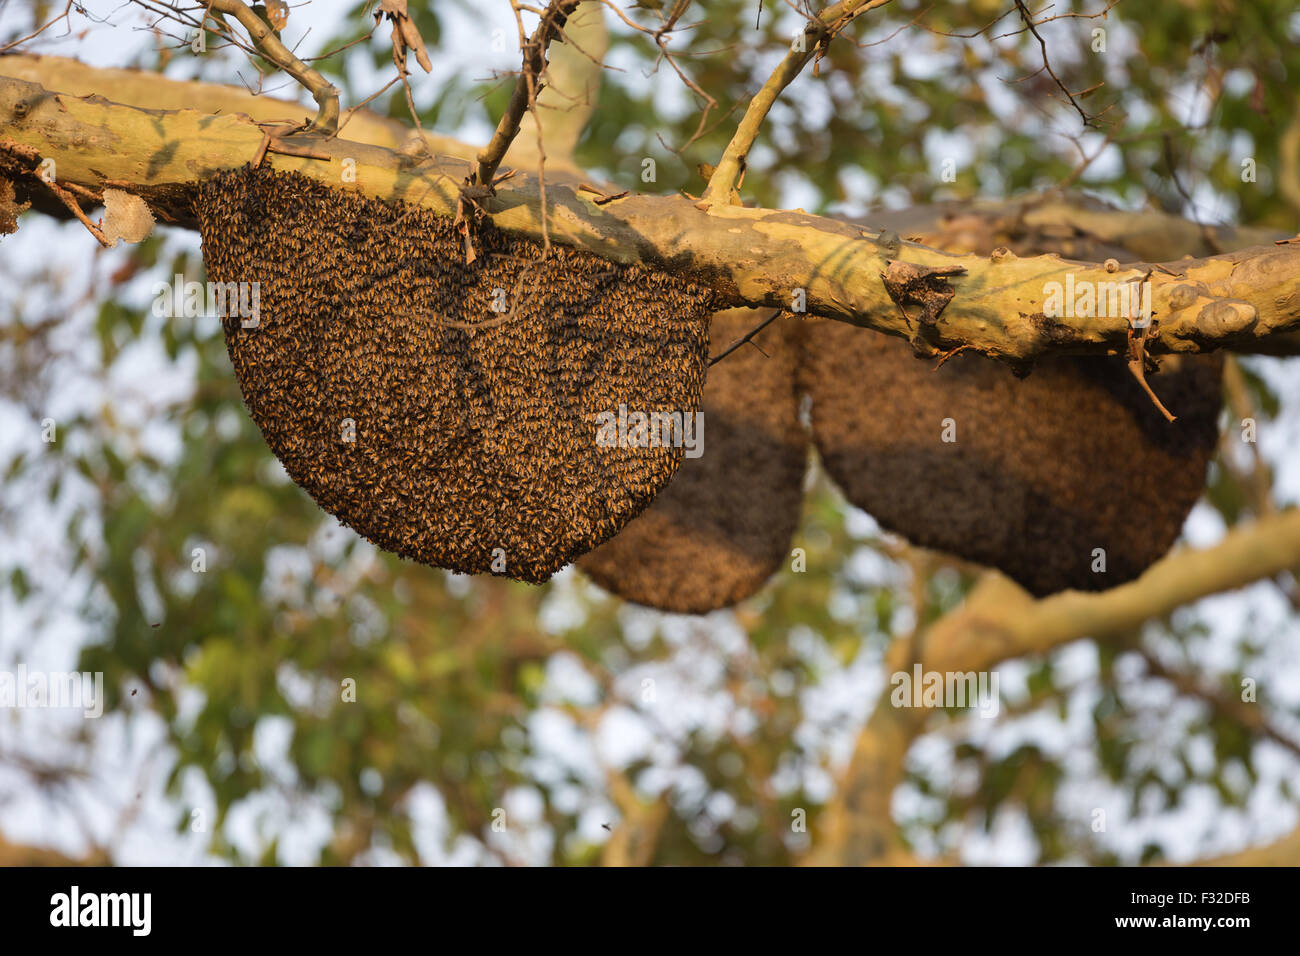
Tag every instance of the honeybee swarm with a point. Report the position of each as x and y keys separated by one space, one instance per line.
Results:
x=1042 y=478
x=466 y=440
x=723 y=525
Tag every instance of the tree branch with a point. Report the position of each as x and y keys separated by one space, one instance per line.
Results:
x=999 y=621
x=751 y=257
x=815 y=35
x=1151 y=235
x=1284 y=852
x=18 y=854
x=568 y=97
x=525 y=92
x=1249 y=715
x=268 y=44
x=145 y=89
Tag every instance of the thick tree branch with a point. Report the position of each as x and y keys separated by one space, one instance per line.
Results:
x=1000 y=621
x=18 y=854
x=565 y=104
x=754 y=257
x=567 y=101
x=1150 y=235
x=859 y=825
x=144 y=89
x=633 y=840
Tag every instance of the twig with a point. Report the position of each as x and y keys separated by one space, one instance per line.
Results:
x=816 y=35
x=275 y=145
x=49 y=23
x=949 y=354
x=1248 y=715
x=74 y=207
x=1137 y=360
x=268 y=44
x=1047 y=65
x=552 y=22
x=748 y=337
x=1206 y=232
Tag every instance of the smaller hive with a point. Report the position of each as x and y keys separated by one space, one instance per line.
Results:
x=384 y=375
x=723 y=525
x=1043 y=471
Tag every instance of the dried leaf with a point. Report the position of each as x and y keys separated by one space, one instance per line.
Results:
x=277 y=13
x=405 y=34
x=412 y=37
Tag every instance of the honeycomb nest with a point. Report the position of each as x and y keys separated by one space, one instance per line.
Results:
x=723 y=525
x=472 y=431
x=1044 y=470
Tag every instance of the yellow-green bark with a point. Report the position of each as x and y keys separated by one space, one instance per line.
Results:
x=755 y=257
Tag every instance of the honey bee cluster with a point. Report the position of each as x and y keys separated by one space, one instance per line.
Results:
x=723 y=525
x=447 y=411
x=1068 y=478
x=1040 y=474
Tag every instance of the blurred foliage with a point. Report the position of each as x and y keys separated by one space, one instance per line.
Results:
x=453 y=679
